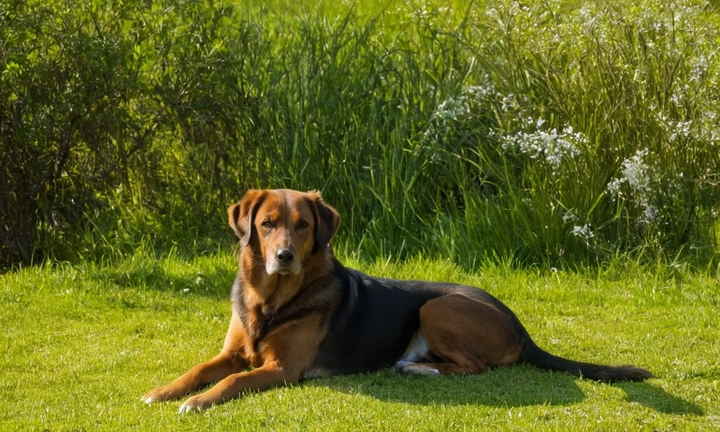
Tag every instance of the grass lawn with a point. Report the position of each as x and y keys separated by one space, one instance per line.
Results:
x=82 y=343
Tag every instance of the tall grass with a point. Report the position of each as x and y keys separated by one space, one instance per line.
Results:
x=547 y=132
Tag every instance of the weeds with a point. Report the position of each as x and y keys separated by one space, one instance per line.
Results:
x=542 y=132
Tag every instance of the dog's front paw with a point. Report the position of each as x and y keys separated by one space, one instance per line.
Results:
x=196 y=404
x=161 y=394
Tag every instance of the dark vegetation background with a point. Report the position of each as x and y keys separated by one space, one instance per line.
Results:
x=548 y=133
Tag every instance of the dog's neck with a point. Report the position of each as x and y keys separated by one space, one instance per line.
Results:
x=272 y=292
x=260 y=288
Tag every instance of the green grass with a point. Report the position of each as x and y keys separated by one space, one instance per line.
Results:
x=82 y=343
x=490 y=133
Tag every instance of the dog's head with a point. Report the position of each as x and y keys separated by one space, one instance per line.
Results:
x=283 y=226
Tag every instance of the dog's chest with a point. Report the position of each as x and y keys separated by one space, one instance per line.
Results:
x=268 y=323
x=258 y=323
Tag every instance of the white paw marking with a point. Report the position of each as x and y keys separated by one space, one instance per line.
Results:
x=184 y=409
x=415 y=368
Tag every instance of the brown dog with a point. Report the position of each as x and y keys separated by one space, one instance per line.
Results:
x=298 y=313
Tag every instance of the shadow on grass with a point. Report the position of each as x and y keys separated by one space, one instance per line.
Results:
x=211 y=277
x=516 y=386
x=658 y=399
x=508 y=387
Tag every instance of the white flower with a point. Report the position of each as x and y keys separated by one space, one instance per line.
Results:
x=584 y=232
x=639 y=178
x=614 y=188
x=636 y=172
x=551 y=145
x=650 y=214
x=460 y=107
x=569 y=217
x=680 y=130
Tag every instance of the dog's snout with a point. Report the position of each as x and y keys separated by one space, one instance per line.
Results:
x=285 y=256
x=284 y=262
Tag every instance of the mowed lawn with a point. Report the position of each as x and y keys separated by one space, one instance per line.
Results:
x=81 y=344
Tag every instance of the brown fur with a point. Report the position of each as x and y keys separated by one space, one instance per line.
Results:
x=284 y=353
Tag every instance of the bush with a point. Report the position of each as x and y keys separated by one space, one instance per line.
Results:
x=541 y=133
x=592 y=131
x=116 y=121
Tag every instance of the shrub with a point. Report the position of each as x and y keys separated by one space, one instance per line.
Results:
x=603 y=131
x=542 y=132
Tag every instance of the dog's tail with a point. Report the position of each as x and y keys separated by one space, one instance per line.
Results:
x=535 y=355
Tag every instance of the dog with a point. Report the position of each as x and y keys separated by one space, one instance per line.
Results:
x=298 y=313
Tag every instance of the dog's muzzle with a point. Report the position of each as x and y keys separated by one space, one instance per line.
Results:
x=283 y=262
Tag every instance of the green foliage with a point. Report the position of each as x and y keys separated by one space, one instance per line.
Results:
x=117 y=122
x=546 y=132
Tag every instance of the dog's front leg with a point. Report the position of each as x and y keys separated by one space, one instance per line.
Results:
x=262 y=378
x=202 y=374
x=230 y=360
x=287 y=353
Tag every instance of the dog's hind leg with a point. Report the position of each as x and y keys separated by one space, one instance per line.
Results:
x=460 y=335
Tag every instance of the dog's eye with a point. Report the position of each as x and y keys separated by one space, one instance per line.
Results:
x=267 y=224
x=303 y=224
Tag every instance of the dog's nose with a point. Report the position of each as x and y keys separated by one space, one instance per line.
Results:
x=284 y=255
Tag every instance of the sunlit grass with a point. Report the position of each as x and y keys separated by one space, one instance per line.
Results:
x=83 y=343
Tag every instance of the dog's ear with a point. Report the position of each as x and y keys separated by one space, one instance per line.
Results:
x=242 y=214
x=327 y=221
